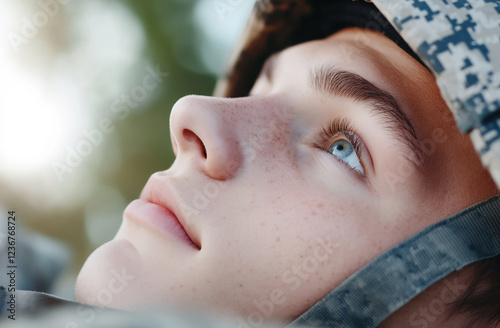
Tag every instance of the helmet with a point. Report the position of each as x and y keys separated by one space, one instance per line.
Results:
x=458 y=42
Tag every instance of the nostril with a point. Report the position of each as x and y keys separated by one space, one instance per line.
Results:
x=190 y=136
x=204 y=151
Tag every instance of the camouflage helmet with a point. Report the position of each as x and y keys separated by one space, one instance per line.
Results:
x=459 y=42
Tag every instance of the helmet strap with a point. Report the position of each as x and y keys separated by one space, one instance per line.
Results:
x=390 y=281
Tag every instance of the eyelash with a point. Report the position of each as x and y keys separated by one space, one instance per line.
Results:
x=342 y=127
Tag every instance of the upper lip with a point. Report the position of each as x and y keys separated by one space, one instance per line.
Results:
x=159 y=191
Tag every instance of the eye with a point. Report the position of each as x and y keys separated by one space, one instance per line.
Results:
x=344 y=151
x=340 y=140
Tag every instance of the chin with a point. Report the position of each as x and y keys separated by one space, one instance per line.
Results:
x=110 y=276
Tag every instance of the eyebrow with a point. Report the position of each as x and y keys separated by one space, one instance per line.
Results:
x=330 y=80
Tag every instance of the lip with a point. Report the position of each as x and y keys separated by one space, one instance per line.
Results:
x=157 y=208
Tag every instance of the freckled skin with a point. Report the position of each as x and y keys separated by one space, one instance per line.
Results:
x=317 y=222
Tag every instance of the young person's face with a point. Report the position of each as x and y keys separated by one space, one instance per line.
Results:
x=277 y=209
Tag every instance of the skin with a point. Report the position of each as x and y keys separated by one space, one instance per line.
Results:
x=285 y=221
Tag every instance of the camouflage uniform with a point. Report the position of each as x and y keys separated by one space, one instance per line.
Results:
x=459 y=41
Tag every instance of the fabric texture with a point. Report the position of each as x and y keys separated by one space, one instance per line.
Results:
x=458 y=40
x=390 y=281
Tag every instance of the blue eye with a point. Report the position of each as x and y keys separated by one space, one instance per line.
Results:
x=344 y=151
x=340 y=139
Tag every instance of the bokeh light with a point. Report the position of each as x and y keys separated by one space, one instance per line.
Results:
x=79 y=134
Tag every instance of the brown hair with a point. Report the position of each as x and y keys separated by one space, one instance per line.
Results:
x=481 y=301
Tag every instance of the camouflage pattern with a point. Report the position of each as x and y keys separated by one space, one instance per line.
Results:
x=387 y=283
x=459 y=40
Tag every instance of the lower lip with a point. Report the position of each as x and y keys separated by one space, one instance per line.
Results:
x=158 y=218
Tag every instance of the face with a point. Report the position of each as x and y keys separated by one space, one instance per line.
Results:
x=343 y=149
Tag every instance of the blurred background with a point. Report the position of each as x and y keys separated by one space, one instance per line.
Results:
x=86 y=88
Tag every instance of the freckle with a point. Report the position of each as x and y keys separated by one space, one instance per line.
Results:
x=241 y=285
x=314 y=213
x=320 y=205
x=208 y=281
x=278 y=239
x=302 y=256
x=263 y=224
x=181 y=286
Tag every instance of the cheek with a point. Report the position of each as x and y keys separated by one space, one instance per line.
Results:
x=267 y=139
x=293 y=253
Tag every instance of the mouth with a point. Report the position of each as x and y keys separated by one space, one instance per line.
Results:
x=159 y=209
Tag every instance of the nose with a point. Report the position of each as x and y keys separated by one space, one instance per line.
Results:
x=203 y=129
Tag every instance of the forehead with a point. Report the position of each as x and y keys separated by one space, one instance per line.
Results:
x=367 y=53
x=377 y=59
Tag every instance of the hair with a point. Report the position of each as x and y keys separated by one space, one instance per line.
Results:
x=481 y=300
x=332 y=16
